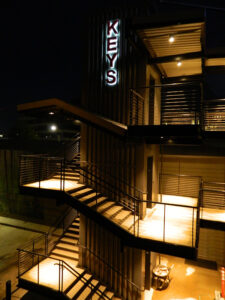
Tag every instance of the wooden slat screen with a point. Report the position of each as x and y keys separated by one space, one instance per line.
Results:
x=213 y=195
x=187 y=186
x=180 y=104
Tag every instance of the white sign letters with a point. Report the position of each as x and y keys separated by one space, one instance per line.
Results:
x=112 y=52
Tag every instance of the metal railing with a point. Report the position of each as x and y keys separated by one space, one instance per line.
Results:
x=38 y=168
x=179 y=104
x=105 y=184
x=101 y=183
x=179 y=185
x=137 y=108
x=213 y=195
x=46 y=242
x=214 y=115
x=28 y=260
x=108 y=274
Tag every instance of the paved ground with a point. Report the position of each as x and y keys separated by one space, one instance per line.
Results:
x=12 y=236
x=189 y=282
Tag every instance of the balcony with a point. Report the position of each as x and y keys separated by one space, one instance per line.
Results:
x=171 y=224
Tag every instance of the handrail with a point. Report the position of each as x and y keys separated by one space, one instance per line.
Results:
x=113 y=268
x=65 y=265
x=112 y=176
x=137 y=94
x=60 y=219
x=104 y=181
x=71 y=270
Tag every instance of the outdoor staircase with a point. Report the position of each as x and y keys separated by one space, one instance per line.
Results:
x=70 y=172
x=112 y=210
x=84 y=286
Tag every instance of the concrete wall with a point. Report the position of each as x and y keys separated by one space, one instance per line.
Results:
x=12 y=203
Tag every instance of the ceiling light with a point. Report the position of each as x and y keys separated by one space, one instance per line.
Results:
x=179 y=63
x=171 y=39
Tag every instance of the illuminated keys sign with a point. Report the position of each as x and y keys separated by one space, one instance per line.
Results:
x=112 y=52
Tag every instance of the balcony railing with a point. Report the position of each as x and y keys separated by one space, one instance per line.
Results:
x=213 y=195
x=214 y=115
x=118 y=191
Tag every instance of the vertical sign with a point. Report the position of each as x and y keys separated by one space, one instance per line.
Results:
x=112 y=52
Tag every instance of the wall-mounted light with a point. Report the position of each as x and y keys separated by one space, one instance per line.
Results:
x=171 y=39
x=51 y=113
x=179 y=63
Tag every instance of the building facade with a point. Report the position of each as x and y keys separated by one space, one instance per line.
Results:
x=152 y=152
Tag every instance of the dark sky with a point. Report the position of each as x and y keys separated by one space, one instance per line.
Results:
x=40 y=49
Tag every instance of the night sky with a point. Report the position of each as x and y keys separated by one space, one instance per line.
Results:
x=41 y=52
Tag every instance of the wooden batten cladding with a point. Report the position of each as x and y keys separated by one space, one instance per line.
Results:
x=113 y=156
x=116 y=265
x=113 y=101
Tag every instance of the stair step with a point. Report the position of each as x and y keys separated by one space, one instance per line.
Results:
x=65 y=254
x=99 y=200
x=68 y=240
x=66 y=177
x=113 y=210
x=129 y=222
x=100 y=290
x=88 y=290
x=68 y=247
x=75 y=290
x=105 y=206
x=73 y=230
x=122 y=216
x=75 y=226
x=74 y=236
x=81 y=274
x=109 y=294
x=88 y=197
x=80 y=192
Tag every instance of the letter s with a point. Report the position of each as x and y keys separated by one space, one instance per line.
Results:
x=111 y=77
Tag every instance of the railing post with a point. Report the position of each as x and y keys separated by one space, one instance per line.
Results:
x=46 y=244
x=18 y=263
x=59 y=276
x=8 y=290
x=38 y=270
x=134 y=215
x=62 y=275
x=164 y=223
x=33 y=252
x=39 y=159
x=192 y=226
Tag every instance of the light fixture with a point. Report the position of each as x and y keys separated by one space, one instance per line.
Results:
x=51 y=113
x=53 y=127
x=171 y=39
x=179 y=63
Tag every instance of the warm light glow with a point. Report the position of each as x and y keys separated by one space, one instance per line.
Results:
x=49 y=274
x=51 y=113
x=189 y=271
x=171 y=39
x=54 y=184
x=53 y=127
x=179 y=63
